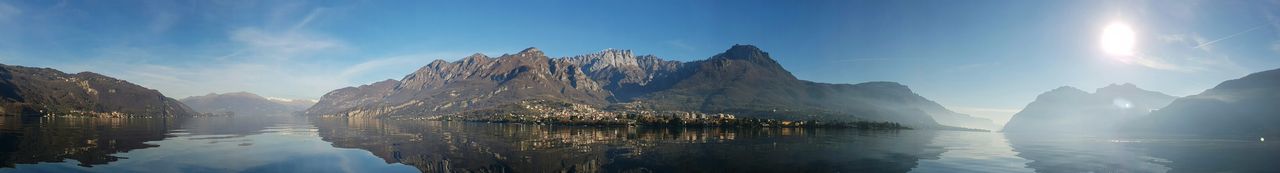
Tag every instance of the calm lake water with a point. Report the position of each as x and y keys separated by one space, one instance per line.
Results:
x=297 y=144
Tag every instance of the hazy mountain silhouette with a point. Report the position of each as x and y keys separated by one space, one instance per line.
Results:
x=1248 y=105
x=743 y=80
x=45 y=91
x=1067 y=109
x=949 y=118
x=244 y=103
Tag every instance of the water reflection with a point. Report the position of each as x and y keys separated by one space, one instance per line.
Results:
x=972 y=152
x=220 y=144
x=299 y=144
x=434 y=146
x=1143 y=153
x=89 y=141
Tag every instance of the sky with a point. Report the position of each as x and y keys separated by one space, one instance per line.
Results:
x=984 y=58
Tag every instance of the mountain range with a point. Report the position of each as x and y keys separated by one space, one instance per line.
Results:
x=1067 y=109
x=244 y=103
x=1246 y=106
x=31 y=91
x=743 y=80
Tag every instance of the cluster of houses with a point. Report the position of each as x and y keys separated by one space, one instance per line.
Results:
x=540 y=111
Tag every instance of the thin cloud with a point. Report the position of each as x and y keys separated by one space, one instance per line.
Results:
x=307 y=20
x=382 y=63
x=1190 y=52
x=1275 y=46
x=681 y=45
x=263 y=61
x=398 y=65
x=283 y=45
x=1272 y=18
x=8 y=11
x=163 y=15
x=1157 y=63
x=1203 y=44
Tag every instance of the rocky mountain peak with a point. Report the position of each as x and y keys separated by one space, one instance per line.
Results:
x=1118 y=87
x=743 y=52
x=531 y=51
x=1067 y=89
x=475 y=58
x=1129 y=90
x=750 y=54
x=434 y=64
x=615 y=58
x=1063 y=92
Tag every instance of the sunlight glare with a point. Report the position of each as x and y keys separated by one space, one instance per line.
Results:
x=1122 y=103
x=1118 y=40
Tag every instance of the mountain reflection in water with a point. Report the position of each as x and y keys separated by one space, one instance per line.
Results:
x=90 y=141
x=211 y=144
x=302 y=144
x=434 y=146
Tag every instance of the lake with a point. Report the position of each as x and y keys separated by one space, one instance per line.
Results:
x=300 y=144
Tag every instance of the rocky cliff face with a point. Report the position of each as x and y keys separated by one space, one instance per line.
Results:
x=1245 y=106
x=624 y=74
x=44 y=91
x=475 y=82
x=743 y=80
x=340 y=101
x=243 y=104
x=1068 y=109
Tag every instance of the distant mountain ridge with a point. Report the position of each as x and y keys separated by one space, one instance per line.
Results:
x=1067 y=109
x=45 y=91
x=1246 y=106
x=244 y=103
x=743 y=80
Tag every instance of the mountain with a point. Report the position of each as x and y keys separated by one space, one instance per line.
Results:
x=1067 y=109
x=43 y=91
x=746 y=81
x=294 y=105
x=1245 y=106
x=244 y=103
x=743 y=80
x=625 y=75
x=475 y=82
x=949 y=118
x=338 y=102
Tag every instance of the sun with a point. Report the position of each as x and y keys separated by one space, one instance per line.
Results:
x=1118 y=39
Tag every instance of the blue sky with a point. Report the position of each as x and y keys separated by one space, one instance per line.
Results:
x=987 y=58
